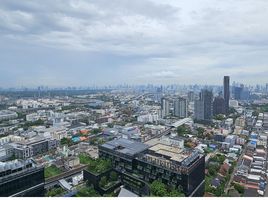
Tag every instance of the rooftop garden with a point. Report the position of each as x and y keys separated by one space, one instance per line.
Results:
x=96 y=166
x=86 y=191
x=108 y=181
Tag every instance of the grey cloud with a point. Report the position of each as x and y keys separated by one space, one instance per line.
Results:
x=187 y=39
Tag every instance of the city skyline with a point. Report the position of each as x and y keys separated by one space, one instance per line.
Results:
x=81 y=43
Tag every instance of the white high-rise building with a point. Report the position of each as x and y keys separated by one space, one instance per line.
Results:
x=164 y=107
x=180 y=107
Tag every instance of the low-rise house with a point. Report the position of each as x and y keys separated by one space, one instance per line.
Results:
x=215 y=182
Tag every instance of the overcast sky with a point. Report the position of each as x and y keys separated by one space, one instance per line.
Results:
x=80 y=43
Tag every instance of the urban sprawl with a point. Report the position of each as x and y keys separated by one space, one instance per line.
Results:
x=127 y=141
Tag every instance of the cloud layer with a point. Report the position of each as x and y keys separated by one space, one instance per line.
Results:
x=85 y=42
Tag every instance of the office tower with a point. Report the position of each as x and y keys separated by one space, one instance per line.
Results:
x=164 y=107
x=266 y=87
x=226 y=85
x=21 y=178
x=245 y=94
x=208 y=99
x=237 y=92
x=199 y=109
x=171 y=165
x=203 y=106
x=180 y=107
x=218 y=105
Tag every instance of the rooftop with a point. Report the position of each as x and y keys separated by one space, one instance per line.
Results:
x=125 y=146
x=14 y=164
x=175 y=153
x=126 y=193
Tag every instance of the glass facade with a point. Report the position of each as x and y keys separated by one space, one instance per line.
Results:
x=25 y=183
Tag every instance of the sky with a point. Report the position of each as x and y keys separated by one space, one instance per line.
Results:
x=59 y=43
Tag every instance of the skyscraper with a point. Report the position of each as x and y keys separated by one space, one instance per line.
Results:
x=164 y=107
x=218 y=105
x=180 y=107
x=237 y=92
x=226 y=88
x=203 y=106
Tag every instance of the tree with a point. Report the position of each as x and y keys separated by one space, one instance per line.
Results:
x=93 y=141
x=183 y=130
x=96 y=131
x=158 y=189
x=66 y=141
x=87 y=192
x=255 y=113
x=103 y=181
x=54 y=192
x=219 y=117
x=239 y=188
x=221 y=158
x=113 y=176
x=176 y=193
x=213 y=169
x=200 y=132
x=110 y=125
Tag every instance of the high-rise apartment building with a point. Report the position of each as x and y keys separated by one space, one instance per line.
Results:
x=203 y=106
x=164 y=107
x=226 y=88
x=218 y=106
x=180 y=107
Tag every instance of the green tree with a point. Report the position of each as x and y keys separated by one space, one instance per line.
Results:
x=183 y=130
x=255 y=113
x=54 y=192
x=110 y=125
x=87 y=192
x=113 y=176
x=103 y=181
x=158 y=189
x=212 y=171
x=200 y=132
x=176 y=193
x=96 y=131
x=66 y=141
x=239 y=188
x=219 y=117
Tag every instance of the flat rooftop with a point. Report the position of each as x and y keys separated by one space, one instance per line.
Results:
x=175 y=153
x=15 y=164
x=125 y=146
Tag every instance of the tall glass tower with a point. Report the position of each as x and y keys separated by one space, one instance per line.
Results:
x=226 y=88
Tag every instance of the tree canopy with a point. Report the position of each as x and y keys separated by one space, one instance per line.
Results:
x=159 y=189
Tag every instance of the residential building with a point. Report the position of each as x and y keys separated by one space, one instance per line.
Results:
x=164 y=107
x=218 y=105
x=181 y=108
x=7 y=115
x=203 y=106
